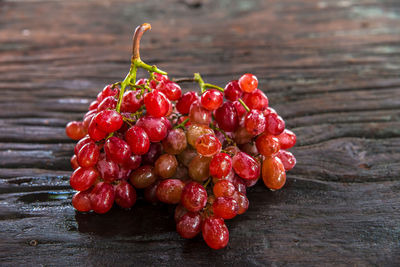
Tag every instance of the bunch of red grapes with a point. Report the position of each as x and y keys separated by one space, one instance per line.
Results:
x=199 y=152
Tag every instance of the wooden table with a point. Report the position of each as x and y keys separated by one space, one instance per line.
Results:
x=331 y=68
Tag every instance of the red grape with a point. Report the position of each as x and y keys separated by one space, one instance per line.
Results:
x=215 y=232
x=232 y=91
x=273 y=173
x=225 y=207
x=131 y=101
x=208 y=145
x=220 y=165
x=224 y=188
x=88 y=155
x=184 y=103
x=256 y=100
x=81 y=201
x=125 y=195
x=287 y=139
x=194 y=197
x=246 y=166
x=254 y=122
x=143 y=176
x=75 y=130
x=248 y=83
x=117 y=150
x=171 y=90
x=287 y=158
x=102 y=197
x=227 y=117
x=155 y=128
x=138 y=140
x=108 y=121
x=157 y=104
x=198 y=114
x=169 y=191
x=267 y=144
x=211 y=99
x=189 y=225
x=275 y=124
x=83 y=178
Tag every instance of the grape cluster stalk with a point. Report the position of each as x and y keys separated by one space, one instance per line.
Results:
x=198 y=152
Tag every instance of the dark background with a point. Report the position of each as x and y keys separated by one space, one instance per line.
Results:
x=330 y=68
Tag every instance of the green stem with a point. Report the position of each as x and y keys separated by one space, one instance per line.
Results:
x=182 y=124
x=244 y=105
x=230 y=141
x=206 y=183
x=199 y=80
x=209 y=85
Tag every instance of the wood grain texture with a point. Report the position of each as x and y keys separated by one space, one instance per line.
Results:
x=331 y=68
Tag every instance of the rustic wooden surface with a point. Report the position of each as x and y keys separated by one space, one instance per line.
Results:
x=331 y=68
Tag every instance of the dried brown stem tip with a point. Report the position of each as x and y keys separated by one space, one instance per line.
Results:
x=136 y=39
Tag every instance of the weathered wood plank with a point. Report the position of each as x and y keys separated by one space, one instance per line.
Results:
x=329 y=67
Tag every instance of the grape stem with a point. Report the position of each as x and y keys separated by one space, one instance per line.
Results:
x=182 y=124
x=136 y=63
x=204 y=86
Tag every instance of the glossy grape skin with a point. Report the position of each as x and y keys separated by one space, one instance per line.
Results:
x=287 y=139
x=85 y=140
x=102 y=197
x=107 y=168
x=187 y=156
x=75 y=130
x=249 y=148
x=125 y=195
x=108 y=103
x=83 y=178
x=242 y=136
x=194 y=197
x=157 y=79
x=171 y=90
x=225 y=207
x=248 y=83
x=243 y=202
x=246 y=166
x=273 y=173
x=157 y=104
x=94 y=132
x=208 y=145
x=184 y=103
x=175 y=142
x=250 y=183
x=198 y=114
x=169 y=191
x=123 y=172
x=220 y=165
x=267 y=144
x=87 y=118
x=133 y=162
x=255 y=122
x=239 y=184
x=106 y=92
x=211 y=99
x=152 y=155
x=215 y=233
x=117 y=150
x=232 y=91
x=143 y=176
x=138 y=140
x=150 y=193
x=155 y=128
x=189 y=225
x=256 y=100
x=179 y=212
x=227 y=117
x=199 y=168
x=224 y=188
x=195 y=131
x=130 y=101
x=74 y=162
x=93 y=105
x=165 y=166
x=233 y=150
x=108 y=121
x=239 y=108
x=274 y=124
x=88 y=155
x=81 y=201
x=287 y=158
